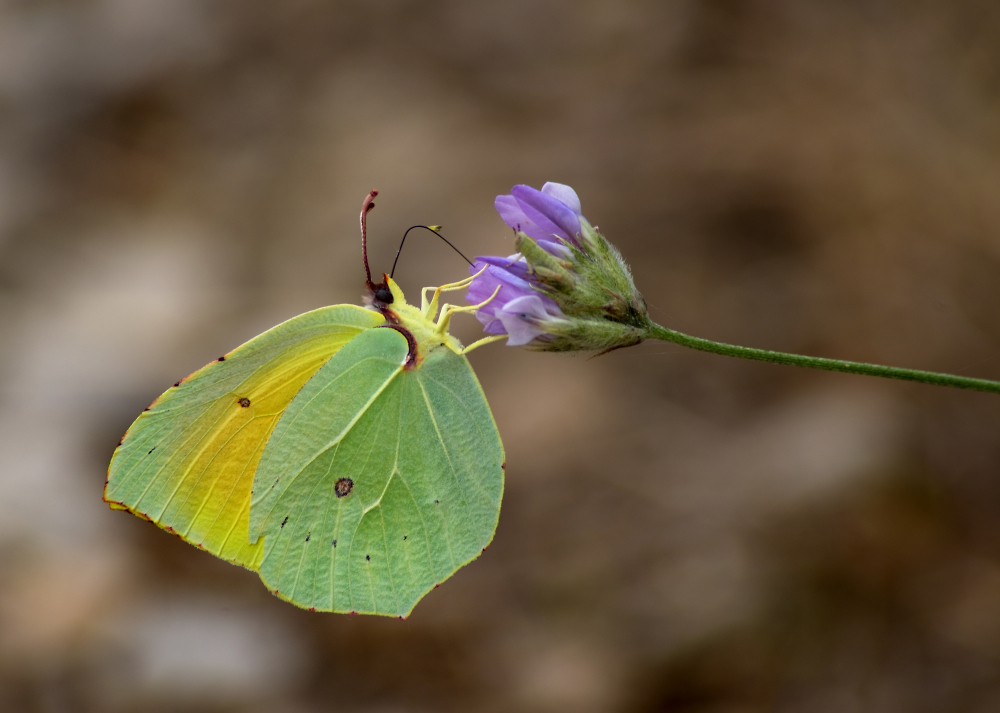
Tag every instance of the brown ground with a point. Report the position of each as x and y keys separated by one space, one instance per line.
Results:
x=680 y=532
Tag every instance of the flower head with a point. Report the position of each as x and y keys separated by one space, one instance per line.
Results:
x=566 y=288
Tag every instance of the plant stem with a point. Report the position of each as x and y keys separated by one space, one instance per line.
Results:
x=851 y=367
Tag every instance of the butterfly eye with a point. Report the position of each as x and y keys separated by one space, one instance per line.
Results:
x=382 y=294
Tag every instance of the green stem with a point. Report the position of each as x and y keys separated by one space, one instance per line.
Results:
x=851 y=367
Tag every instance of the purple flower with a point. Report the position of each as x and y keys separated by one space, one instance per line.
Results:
x=566 y=288
x=552 y=217
x=518 y=307
x=549 y=215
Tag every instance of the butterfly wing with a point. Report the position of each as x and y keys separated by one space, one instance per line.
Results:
x=378 y=482
x=188 y=462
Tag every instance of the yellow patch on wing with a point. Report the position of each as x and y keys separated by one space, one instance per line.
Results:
x=188 y=462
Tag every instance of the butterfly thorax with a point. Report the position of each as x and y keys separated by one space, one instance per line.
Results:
x=424 y=329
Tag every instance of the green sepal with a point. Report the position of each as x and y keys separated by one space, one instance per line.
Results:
x=544 y=265
x=594 y=290
x=601 y=335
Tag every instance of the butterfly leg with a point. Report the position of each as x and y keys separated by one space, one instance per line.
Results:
x=481 y=342
x=430 y=308
x=448 y=310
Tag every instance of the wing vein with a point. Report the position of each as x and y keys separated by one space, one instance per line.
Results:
x=361 y=412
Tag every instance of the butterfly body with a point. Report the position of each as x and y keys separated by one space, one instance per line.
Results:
x=347 y=455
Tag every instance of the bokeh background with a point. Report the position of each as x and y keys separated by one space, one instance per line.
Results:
x=680 y=532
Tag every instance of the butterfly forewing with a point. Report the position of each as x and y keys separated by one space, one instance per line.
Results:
x=187 y=463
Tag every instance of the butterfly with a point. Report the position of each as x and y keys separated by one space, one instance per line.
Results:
x=347 y=455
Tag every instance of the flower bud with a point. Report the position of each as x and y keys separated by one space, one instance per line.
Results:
x=566 y=288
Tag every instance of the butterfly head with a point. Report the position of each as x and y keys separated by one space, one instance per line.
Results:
x=381 y=294
x=387 y=297
x=425 y=328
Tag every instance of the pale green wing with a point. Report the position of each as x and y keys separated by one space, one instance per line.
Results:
x=188 y=462
x=379 y=481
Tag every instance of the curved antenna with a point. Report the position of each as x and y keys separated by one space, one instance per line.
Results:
x=434 y=229
x=365 y=207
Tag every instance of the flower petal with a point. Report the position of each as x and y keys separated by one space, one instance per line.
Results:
x=482 y=288
x=520 y=318
x=491 y=325
x=548 y=211
x=520 y=331
x=554 y=248
x=511 y=212
x=536 y=225
x=564 y=193
x=514 y=264
x=527 y=306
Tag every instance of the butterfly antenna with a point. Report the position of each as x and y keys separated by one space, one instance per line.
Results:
x=434 y=229
x=365 y=207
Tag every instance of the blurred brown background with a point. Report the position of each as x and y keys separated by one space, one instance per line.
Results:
x=680 y=532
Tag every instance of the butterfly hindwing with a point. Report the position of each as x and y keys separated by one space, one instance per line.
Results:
x=188 y=461
x=379 y=481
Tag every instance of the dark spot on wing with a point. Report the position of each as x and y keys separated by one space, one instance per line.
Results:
x=368 y=558
x=284 y=521
x=343 y=487
x=150 y=450
x=308 y=535
x=404 y=537
x=177 y=384
x=436 y=502
x=503 y=466
x=245 y=402
x=334 y=543
x=221 y=358
x=312 y=608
